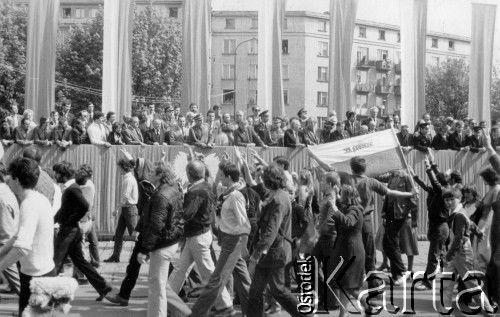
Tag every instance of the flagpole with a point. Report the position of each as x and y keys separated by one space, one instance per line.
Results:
x=403 y=156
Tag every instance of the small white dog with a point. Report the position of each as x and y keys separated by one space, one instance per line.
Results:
x=50 y=296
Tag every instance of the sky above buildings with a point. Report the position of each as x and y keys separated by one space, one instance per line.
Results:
x=443 y=16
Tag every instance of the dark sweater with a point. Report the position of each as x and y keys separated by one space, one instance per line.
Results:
x=73 y=207
x=199 y=202
x=437 y=210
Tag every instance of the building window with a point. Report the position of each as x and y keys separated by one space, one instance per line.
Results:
x=228 y=71
x=66 y=13
x=79 y=13
x=253 y=47
x=397 y=59
x=451 y=45
x=284 y=72
x=284 y=46
x=382 y=55
x=362 y=32
x=229 y=46
x=252 y=97
x=255 y=23
x=322 y=98
x=381 y=35
x=399 y=37
x=323 y=49
x=435 y=61
x=173 y=12
x=362 y=55
x=434 y=43
x=253 y=71
x=228 y=96
x=229 y=23
x=285 y=23
x=322 y=73
x=285 y=97
x=93 y=13
x=321 y=26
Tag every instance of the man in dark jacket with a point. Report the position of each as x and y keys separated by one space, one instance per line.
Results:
x=438 y=216
x=440 y=141
x=79 y=133
x=68 y=241
x=405 y=138
x=458 y=140
x=423 y=140
x=162 y=229
x=157 y=135
x=294 y=137
x=245 y=135
x=475 y=141
x=198 y=214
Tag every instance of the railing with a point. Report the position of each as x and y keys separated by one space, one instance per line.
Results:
x=365 y=88
x=383 y=65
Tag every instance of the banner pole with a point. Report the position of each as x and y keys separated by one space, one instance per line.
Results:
x=405 y=163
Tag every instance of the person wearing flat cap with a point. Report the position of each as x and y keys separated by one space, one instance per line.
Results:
x=475 y=141
x=423 y=140
x=302 y=114
x=196 y=133
x=262 y=128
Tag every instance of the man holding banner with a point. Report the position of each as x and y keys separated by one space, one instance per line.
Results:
x=383 y=150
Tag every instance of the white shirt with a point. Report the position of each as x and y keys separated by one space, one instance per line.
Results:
x=36 y=234
x=9 y=214
x=97 y=133
x=233 y=217
x=67 y=184
x=130 y=190
x=57 y=199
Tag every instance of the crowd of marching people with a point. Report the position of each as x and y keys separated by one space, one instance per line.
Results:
x=263 y=216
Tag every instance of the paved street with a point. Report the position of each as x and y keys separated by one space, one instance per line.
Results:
x=85 y=304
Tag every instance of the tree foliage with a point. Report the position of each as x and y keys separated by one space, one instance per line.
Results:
x=495 y=94
x=79 y=62
x=13 y=34
x=447 y=89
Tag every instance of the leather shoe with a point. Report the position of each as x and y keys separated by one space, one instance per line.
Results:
x=117 y=299
x=112 y=260
x=104 y=293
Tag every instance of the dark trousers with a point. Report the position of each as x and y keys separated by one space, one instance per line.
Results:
x=68 y=243
x=369 y=244
x=129 y=217
x=276 y=279
x=391 y=246
x=25 y=292
x=437 y=235
x=132 y=272
x=493 y=281
x=323 y=249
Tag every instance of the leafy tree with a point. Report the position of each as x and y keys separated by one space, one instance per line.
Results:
x=13 y=34
x=79 y=62
x=447 y=89
x=495 y=94
x=156 y=56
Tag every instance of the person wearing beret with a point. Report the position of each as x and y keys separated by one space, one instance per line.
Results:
x=262 y=128
x=423 y=140
x=475 y=141
x=276 y=134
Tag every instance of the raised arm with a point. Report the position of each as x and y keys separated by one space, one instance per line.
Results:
x=321 y=163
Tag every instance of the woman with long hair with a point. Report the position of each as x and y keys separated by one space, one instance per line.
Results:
x=305 y=195
x=348 y=215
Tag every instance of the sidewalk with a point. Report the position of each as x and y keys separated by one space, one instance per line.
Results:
x=85 y=304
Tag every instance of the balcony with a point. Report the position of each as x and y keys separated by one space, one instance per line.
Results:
x=383 y=90
x=364 y=64
x=397 y=68
x=364 y=88
x=383 y=66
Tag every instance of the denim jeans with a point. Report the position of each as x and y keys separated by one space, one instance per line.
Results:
x=197 y=250
x=128 y=220
x=276 y=279
x=462 y=263
x=230 y=262
x=159 y=290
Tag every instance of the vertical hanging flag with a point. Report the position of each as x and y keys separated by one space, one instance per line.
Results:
x=342 y=19
x=413 y=36
x=196 y=65
x=482 y=40
x=43 y=18
x=270 y=79
x=117 y=56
